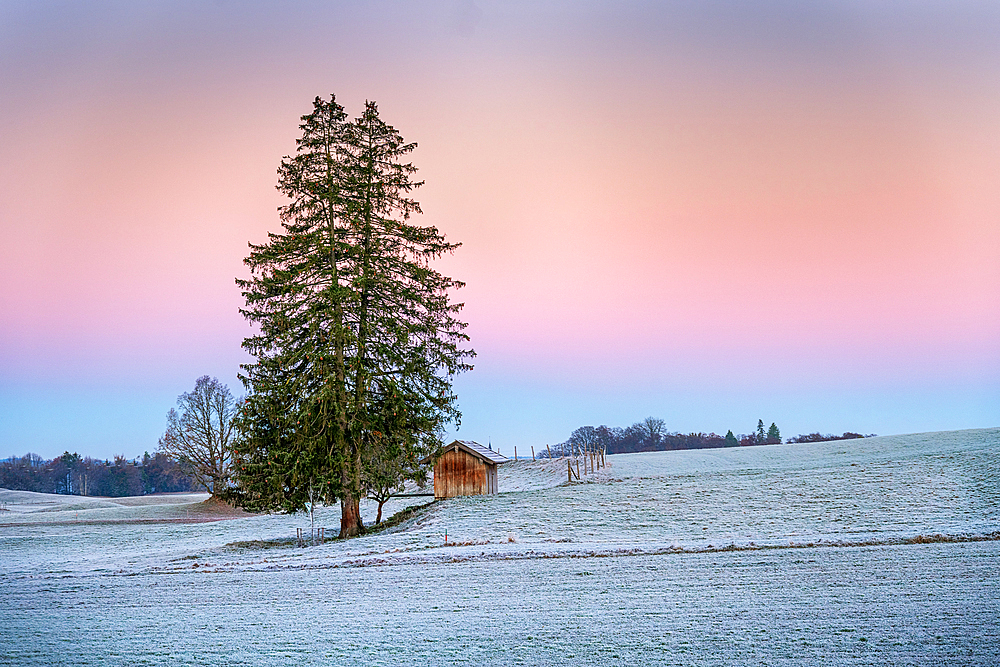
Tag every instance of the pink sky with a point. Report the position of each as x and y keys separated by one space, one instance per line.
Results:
x=708 y=212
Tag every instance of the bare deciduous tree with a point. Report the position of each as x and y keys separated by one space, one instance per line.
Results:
x=203 y=432
x=583 y=438
x=650 y=430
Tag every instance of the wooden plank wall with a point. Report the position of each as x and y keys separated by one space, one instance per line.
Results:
x=458 y=473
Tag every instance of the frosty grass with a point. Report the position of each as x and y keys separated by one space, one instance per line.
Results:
x=875 y=551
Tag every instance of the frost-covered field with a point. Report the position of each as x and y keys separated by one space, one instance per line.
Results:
x=876 y=551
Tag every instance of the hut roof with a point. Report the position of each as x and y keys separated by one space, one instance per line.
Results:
x=473 y=448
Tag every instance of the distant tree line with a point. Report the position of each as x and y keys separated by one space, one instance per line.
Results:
x=651 y=435
x=818 y=437
x=759 y=437
x=71 y=474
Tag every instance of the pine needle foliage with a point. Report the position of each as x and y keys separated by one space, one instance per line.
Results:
x=358 y=339
x=773 y=434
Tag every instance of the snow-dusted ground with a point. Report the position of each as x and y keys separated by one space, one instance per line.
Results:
x=872 y=551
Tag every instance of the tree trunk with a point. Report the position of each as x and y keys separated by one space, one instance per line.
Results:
x=378 y=518
x=360 y=527
x=312 y=514
x=350 y=516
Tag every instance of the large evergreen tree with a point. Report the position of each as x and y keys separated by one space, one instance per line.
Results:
x=358 y=340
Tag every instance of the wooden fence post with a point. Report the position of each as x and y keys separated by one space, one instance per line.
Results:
x=548 y=450
x=532 y=452
x=515 y=452
x=569 y=471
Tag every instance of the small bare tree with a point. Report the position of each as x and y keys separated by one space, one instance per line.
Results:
x=202 y=433
x=384 y=477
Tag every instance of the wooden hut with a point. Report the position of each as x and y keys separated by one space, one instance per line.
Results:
x=466 y=468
